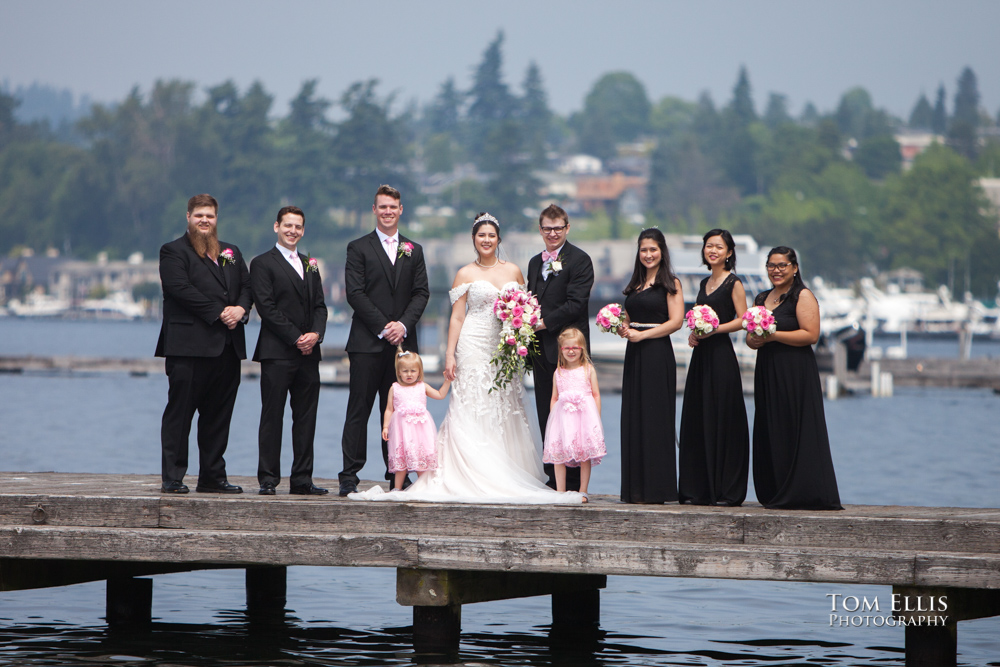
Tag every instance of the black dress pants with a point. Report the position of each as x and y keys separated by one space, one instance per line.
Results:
x=371 y=374
x=278 y=378
x=207 y=385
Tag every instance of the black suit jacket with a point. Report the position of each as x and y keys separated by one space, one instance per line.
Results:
x=381 y=292
x=195 y=292
x=564 y=297
x=288 y=306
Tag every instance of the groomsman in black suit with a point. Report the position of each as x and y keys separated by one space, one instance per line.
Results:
x=206 y=301
x=386 y=283
x=561 y=278
x=288 y=293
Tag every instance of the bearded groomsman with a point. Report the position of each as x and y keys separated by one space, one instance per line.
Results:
x=206 y=301
x=288 y=293
x=561 y=278
x=386 y=284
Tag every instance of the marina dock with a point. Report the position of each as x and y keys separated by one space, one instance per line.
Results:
x=63 y=528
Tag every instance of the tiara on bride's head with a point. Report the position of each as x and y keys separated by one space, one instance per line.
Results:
x=486 y=217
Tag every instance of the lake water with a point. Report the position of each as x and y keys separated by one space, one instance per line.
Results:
x=922 y=447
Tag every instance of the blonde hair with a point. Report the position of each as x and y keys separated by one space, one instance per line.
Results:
x=572 y=334
x=405 y=355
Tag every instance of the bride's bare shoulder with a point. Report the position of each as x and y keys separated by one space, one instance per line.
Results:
x=464 y=275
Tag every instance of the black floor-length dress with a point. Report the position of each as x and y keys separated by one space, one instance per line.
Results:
x=649 y=399
x=715 y=439
x=792 y=465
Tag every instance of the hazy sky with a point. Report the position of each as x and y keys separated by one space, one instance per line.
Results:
x=809 y=50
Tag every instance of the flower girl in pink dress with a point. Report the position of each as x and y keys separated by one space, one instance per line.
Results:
x=574 y=435
x=408 y=427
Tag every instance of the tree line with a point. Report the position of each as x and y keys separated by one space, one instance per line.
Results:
x=828 y=183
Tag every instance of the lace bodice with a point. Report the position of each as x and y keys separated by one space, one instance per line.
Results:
x=574 y=385
x=476 y=345
x=410 y=401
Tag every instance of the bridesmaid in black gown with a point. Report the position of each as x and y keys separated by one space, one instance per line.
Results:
x=792 y=465
x=715 y=440
x=654 y=309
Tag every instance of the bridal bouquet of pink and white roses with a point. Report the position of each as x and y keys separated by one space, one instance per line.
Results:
x=518 y=312
x=759 y=321
x=702 y=320
x=610 y=317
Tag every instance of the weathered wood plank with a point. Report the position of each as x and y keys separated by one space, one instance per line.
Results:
x=441 y=588
x=873 y=532
x=108 y=511
x=228 y=548
x=677 y=560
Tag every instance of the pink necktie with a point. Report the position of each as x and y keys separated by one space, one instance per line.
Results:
x=392 y=246
x=296 y=264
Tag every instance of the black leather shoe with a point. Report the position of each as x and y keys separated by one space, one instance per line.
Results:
x=266 y=489
x=225 y=487
x=174 y=487
x=347 y=487
x=307 y=490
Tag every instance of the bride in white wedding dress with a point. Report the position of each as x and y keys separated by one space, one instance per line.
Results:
x=485 y=450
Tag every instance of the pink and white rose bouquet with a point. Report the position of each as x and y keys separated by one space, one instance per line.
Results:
x=610 y=317
x=759 y=321
x=518 y=312
x=702 y=320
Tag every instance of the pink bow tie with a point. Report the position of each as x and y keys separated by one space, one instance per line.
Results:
x=547 y=256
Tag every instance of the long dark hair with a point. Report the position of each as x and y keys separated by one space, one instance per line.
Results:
x=664 y=274
x=797 y=283
x=730 y=244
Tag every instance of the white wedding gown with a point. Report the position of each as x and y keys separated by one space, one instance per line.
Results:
x=485 y=450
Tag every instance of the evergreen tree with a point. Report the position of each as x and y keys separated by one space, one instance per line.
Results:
x=963 y=131
x=739 y=148
x=939 y=121
x=776 y=112
x=810 y=115
x=922 y=116
x=445 y=110
x=491 y=101
x=535 y=115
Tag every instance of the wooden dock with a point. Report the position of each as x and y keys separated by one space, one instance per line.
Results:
x=61 y=528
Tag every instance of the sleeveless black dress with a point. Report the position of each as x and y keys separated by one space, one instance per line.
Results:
x=792 y=465
x=715 y=439
x=649 y=399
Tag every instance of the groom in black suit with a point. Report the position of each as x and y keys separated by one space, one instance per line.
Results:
x=288 y=292
x=206 y=301
x=561 y=278
x=386 y=284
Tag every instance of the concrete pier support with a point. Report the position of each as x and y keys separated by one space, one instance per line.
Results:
x=266 y=590
x=129 y=602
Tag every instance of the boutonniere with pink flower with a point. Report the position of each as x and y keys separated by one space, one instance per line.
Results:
x=312 y=265
x=405 y=248
x=227 y=257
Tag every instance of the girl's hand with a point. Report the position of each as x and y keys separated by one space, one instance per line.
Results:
x=634 y=335
x=693 y=340
x=385 y=433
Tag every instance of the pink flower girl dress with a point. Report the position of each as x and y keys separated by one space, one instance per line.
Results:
x=411 y=430
x=574 y=432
